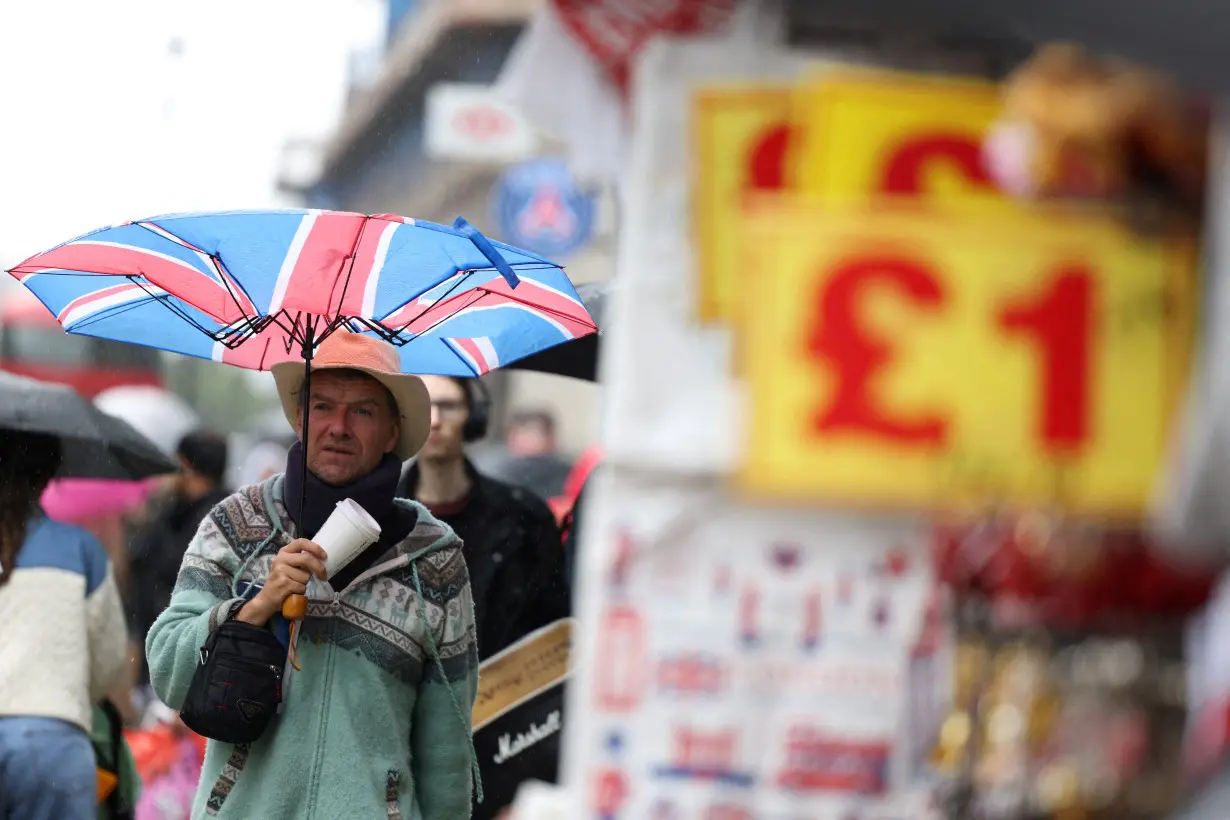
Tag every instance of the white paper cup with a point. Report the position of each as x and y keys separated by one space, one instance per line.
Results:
x=348 y=531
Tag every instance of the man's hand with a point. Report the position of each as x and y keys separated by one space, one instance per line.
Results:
x=293 y=567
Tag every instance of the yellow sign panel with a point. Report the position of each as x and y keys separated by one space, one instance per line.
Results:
x=876 y=133
x=921 y=359
x=531 y=666
x=740 y=137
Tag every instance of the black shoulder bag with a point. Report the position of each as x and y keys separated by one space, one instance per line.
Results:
x=237 y=687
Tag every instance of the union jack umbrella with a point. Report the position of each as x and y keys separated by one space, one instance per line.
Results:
x=253 y=288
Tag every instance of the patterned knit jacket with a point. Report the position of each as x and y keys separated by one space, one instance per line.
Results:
x=376 y=723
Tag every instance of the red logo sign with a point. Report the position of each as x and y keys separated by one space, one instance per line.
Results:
x=727 y=811
x=614 y=32
x=483 y=122
x=610 y=792
x=693 y=674
x=619 y=674
x=704 y=750
x=818 y=762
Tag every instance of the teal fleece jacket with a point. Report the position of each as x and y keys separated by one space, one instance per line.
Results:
x=376 y=723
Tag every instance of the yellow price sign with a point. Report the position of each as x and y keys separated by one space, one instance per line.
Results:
x=882 y=133
x=925 y=360
x=740 y=136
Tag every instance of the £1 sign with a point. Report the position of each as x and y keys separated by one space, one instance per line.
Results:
x=874 y=134
x=938 y=360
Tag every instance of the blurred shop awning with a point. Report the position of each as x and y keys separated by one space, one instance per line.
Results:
x=1184 y=37
x=440 y=40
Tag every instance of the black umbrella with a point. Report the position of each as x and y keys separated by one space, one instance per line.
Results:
x=577 y=359
x=96 y=445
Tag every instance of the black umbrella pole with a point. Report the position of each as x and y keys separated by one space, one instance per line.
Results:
x=295 y=607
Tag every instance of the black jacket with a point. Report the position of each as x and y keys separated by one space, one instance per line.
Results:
x=514 y=553
x=155 y=551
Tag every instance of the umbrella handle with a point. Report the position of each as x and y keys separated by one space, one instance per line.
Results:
x=294 y=608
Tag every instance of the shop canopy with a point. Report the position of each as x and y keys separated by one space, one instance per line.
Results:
x=1184 y=37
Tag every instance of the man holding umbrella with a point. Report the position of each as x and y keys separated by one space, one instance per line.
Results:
x=258 y=289
x=376 y=715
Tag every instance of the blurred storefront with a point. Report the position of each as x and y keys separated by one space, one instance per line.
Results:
x=387 y=156
x=759 y=162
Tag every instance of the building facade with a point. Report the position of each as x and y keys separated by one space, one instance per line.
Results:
x=376 y=163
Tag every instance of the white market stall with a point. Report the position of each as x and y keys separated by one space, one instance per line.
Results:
x=762 y=632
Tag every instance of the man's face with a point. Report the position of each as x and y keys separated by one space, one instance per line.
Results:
x=449 y=411
x=350 y=426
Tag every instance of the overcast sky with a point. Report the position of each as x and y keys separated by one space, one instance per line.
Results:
x=130 y=108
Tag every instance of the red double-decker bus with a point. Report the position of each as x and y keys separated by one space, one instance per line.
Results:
x=33 y=344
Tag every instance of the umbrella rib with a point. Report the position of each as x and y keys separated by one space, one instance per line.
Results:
x=111 y=313
x=443 y=319
x=61 y=272
x=444 y=298
x=447 y=294
x=69 y=272
x=176 y=309
x=225 y=336
x=354 y=250
x=291 y=331
x=216 y=261
x=227 y=279
x=119 y=310
x=229 y=336
x=460 y=358
x=145 y=286
x=527 y=303
x=484 y=292
x=296 y=332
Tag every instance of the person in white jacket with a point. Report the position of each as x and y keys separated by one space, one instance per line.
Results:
x=62 y=642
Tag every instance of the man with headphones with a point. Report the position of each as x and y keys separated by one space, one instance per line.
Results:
x=510 y=540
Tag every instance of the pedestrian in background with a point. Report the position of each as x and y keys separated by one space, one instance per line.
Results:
x=511 y=543
x=63 y=647
x=157 y=548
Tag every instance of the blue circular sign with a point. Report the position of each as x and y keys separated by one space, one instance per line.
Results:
x=538 y=206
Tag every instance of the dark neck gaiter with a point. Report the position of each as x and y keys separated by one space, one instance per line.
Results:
x=374 y=492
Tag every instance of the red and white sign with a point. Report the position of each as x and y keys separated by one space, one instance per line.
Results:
x=469 y=122
x=614 y=32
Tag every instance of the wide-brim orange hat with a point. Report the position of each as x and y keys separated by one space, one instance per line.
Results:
x=344 y=350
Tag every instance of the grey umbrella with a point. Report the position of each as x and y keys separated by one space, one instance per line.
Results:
x=96 y=445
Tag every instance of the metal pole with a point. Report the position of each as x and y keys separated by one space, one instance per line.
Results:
x=308 y=342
